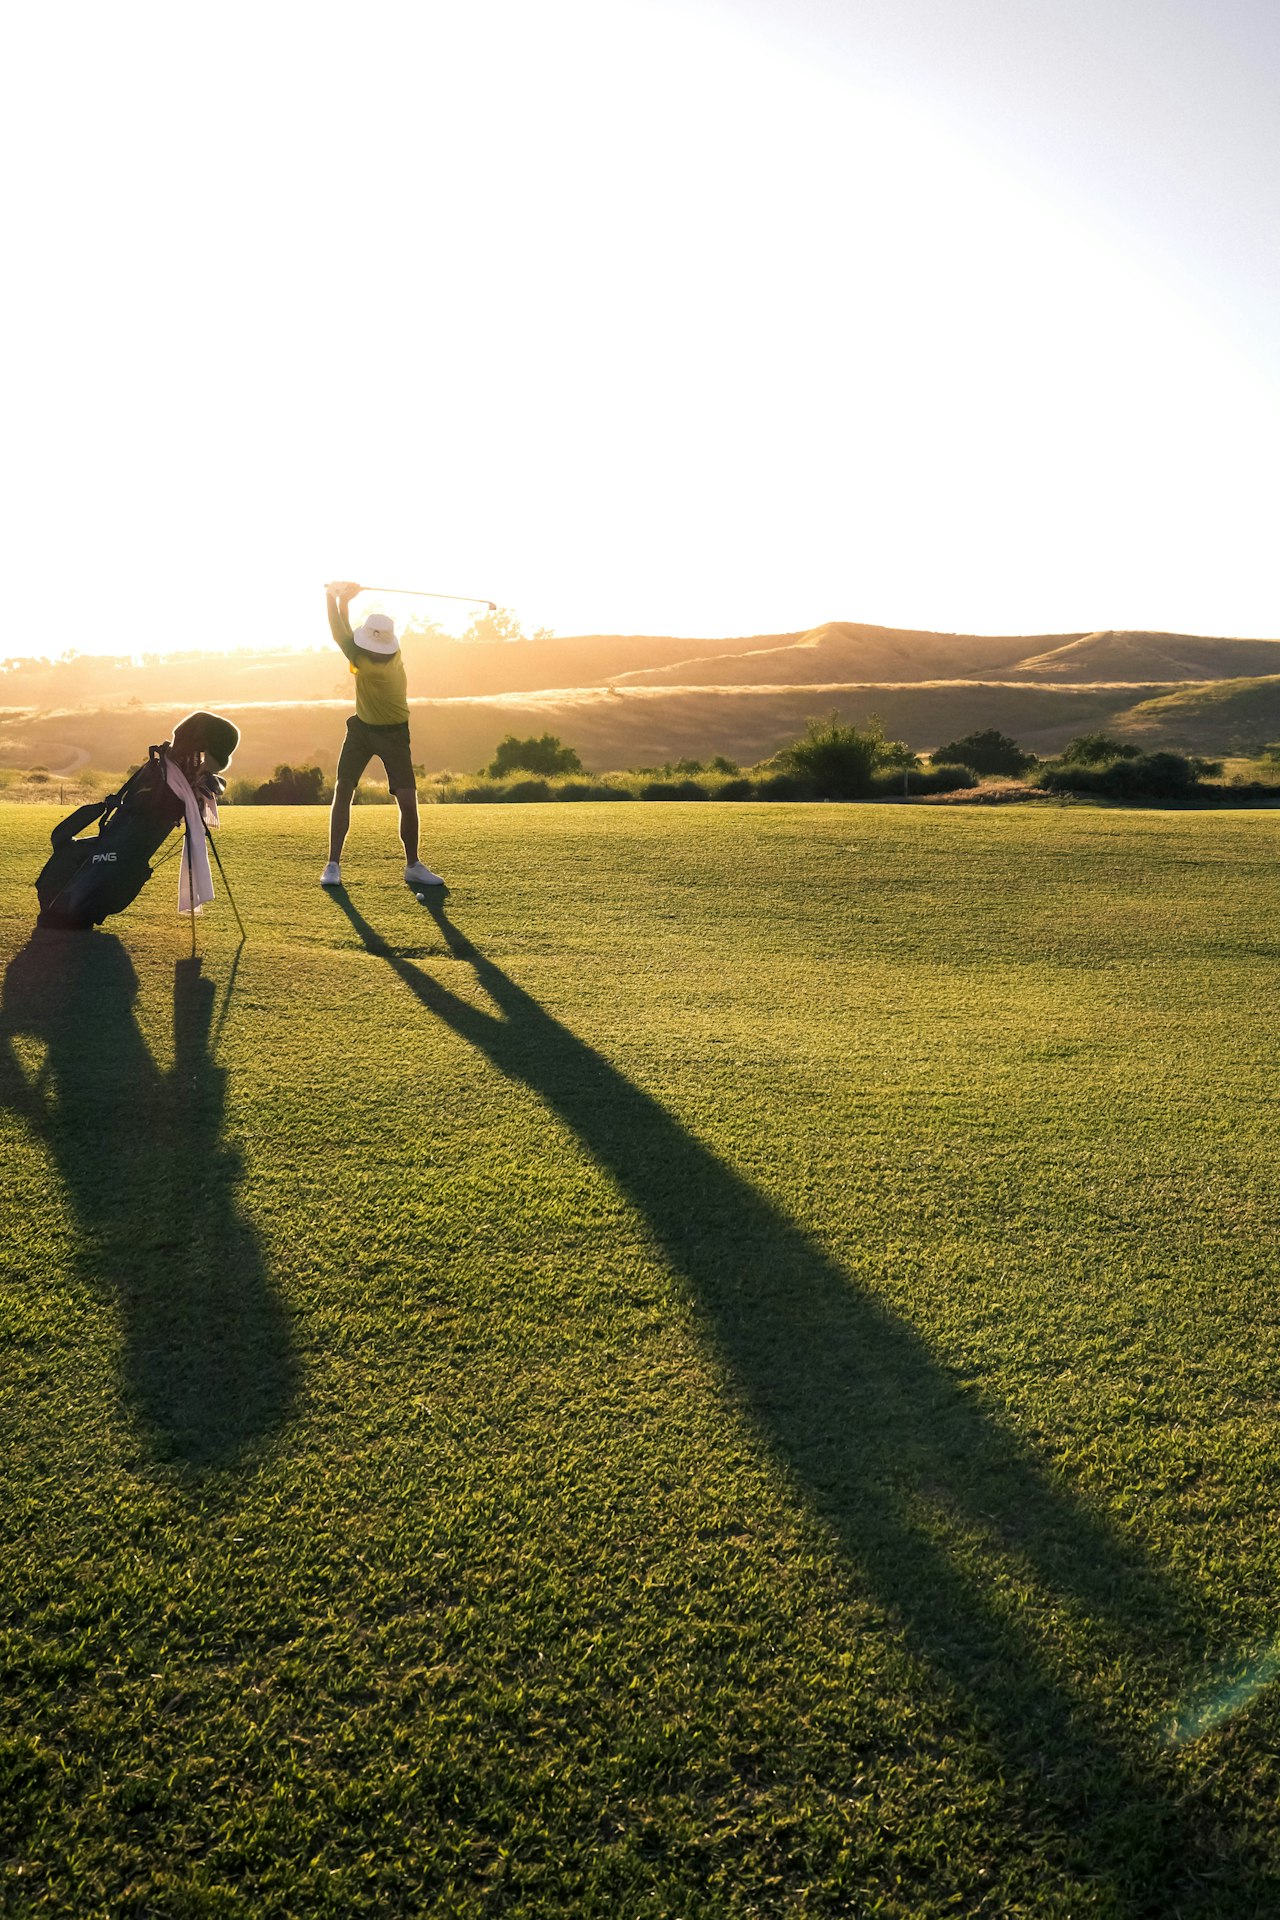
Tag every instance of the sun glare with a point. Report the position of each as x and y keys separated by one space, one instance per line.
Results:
x=623 y=316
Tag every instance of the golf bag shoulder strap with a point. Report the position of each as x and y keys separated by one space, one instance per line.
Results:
x=82 y=817
x=149 y=776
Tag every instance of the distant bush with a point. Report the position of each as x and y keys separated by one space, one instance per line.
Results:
x=1150 y=776
x=891 y=782
x=486 y=792
x=896 y=753
x=944 y=779
x=785 y=786
x=1095 y=750
x=590 y=790
x=721 y=765
x=736 y=790
x=987 y=752
x=836 y=761
x=545 y=756
x=292 y=787
x=673 y=790
x=1241 y=790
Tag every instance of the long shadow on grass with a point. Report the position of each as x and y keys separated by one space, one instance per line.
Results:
x=208 y=1362
x=1027 y=1605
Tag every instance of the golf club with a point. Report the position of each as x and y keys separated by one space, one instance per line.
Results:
x=475 y=599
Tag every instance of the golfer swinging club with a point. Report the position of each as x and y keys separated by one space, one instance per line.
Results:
x=379 y=725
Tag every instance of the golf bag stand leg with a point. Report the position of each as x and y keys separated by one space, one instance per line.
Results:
x=191 y=888
x=213 y=848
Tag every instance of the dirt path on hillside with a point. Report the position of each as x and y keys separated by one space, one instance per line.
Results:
x=80 y=758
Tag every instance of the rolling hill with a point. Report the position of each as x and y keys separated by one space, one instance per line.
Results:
x=610 y=726
x=628 y=700
x=1226 y=716
x=843 y=651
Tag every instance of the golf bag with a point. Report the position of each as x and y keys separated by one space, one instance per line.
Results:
x=84 y=880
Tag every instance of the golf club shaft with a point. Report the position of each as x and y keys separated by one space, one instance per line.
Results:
x=473 y=599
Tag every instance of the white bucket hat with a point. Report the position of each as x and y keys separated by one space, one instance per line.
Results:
x=377 y=635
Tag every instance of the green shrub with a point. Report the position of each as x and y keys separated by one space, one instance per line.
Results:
x=527 y=790
x=1241 y=790
x=944 y=779
x=545 y=756
x=896 y=753
x=784 y=786
x=987 y=752
x=834 y=761
x=1095 y=750
x=736 y=790
x=1151 y=776
x=673 y=790
x=292 y=787
x=590 y=790
x=891 y=781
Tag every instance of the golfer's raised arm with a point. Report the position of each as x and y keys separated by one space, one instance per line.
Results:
x=338 y=594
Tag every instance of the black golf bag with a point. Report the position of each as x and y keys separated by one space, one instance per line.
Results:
x=84 y=880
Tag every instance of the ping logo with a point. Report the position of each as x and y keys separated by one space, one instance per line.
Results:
x=101 y=856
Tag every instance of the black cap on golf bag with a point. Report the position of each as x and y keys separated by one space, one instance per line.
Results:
x=83 y=881
x=206 y=733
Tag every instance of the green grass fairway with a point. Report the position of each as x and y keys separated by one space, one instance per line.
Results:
x=734 y=1371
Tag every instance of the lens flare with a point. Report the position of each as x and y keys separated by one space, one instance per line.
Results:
x=1222 y=1698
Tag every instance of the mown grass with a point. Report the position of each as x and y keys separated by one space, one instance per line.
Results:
x=732 y=1371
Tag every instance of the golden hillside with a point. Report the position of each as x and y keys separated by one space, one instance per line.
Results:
x=626 y=700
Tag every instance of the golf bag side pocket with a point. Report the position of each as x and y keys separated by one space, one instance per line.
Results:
x=85 y=880
x=69 y=854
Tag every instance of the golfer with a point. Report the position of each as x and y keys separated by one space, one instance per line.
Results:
x=379 y=725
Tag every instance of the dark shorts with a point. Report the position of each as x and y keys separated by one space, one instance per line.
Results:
x=389 y=744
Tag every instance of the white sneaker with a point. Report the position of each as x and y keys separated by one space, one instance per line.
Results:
x=332 y=875
x=419 y=876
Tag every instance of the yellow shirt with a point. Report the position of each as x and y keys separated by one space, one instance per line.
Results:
x=382 y=692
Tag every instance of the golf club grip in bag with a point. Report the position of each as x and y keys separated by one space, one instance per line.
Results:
x=83 y=881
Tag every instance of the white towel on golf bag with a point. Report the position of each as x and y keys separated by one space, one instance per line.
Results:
x=195 y=880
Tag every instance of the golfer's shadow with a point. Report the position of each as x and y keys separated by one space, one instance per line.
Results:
x=207 y=1360
x=905 y=1467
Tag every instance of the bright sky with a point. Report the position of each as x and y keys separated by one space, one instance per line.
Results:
x=728 y=317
